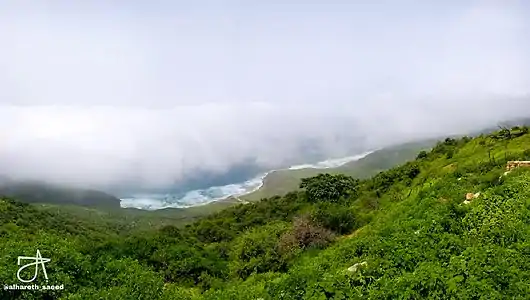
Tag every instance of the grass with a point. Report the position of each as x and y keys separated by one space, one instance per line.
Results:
x=407 y=228
x=283 y=181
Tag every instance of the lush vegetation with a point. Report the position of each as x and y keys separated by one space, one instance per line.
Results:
x=405 y=233
x=284 y=181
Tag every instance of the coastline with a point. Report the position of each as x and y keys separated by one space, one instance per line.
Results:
x=243 y=192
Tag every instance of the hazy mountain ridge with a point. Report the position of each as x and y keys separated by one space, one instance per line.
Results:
x=276 y=183
x=284 y=181
x=336 y=233
x=41 y=192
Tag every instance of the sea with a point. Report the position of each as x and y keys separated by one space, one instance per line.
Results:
x=155 y=201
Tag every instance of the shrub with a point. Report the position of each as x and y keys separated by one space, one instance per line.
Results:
x=466 y=139
x=335 y=217
x=492 y=179
x=450 y=153
x=256 y=251
x=370 y=201
x=526 y=154
x=422 y=155
x=305 y=234
x=329 y=187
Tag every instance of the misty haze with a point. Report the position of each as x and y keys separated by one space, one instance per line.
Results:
x=239 y=150
x=171 y=98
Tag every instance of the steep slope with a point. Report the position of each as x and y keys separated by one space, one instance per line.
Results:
x=283 y=181
x=423 y=240
x=404 y=233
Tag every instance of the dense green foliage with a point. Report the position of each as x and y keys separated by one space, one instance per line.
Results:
x=405 y=233
x=329 y=188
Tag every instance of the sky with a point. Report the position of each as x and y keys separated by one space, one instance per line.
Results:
x=98 y=92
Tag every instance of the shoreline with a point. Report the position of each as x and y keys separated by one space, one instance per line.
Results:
x=236 y=197
x=225 y=198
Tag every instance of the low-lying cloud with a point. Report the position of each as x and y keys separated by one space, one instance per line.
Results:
x=105 y=92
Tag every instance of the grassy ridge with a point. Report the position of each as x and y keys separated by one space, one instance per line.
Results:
x=283 y=181
x=404 y=233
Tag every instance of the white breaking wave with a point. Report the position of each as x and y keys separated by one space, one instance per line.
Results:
x=216 y=193
x=331 y=163
x=195 y=197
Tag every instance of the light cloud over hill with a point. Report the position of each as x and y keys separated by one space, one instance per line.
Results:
x=106 y=91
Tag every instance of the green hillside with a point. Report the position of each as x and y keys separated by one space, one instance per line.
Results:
x=404 y=233
x=40 y=192
x=282 y=182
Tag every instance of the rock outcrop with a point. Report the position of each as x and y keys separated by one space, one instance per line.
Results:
x=516 y=164
x=356 y=266
x=470 y=197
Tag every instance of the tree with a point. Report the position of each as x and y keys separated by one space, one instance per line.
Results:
x=327 y=187
x=422 y=155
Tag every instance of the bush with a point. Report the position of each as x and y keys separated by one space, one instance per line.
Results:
x=335 y=217
x=305 y=234
x=526 y=154
x=329 y=187
x=422 y=155
x=370 y=201
x=405 y=174
x=466 y=139
x=256 y=251
x=450 y=153
x=492 y=178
